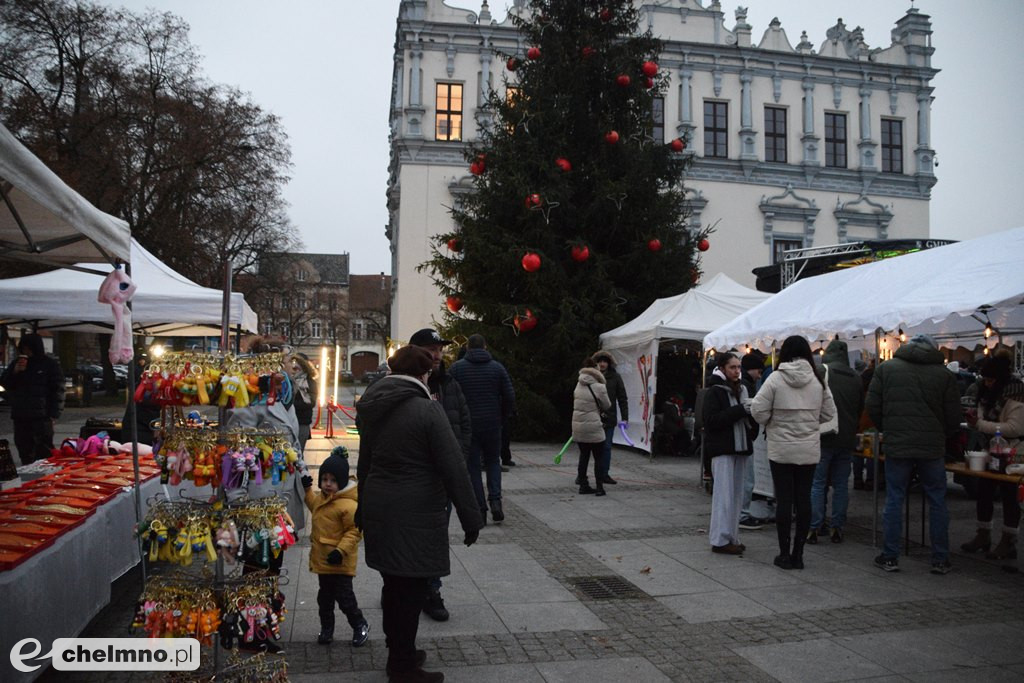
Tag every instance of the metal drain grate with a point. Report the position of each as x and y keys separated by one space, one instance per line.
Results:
x=606 y=588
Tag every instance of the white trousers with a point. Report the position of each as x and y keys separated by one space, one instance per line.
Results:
x=727 y=498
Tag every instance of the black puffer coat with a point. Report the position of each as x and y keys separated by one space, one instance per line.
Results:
x=721 y=413
x=447 y=391
x=38 y=390
x=848 y=393
x=487 y=388
x=410 y=464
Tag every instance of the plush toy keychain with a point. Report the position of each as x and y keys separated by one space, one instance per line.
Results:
x=117 y=290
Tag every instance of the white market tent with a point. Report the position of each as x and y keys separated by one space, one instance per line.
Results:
x=950 y=292
x=166 y=303
x=45 y=221
x=690 y=315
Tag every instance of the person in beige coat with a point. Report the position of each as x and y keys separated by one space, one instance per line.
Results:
x=792 y=404
x=589 y=400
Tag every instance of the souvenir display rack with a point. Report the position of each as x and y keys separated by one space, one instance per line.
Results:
x=244 y=606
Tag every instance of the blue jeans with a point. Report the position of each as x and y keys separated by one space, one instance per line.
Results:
x=932 y=472
x=834 y=466
x=606 y=462
x=485 y=452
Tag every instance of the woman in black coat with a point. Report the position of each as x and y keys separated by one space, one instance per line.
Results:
x=410 y=464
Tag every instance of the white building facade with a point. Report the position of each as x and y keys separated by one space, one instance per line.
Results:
x=794 y=145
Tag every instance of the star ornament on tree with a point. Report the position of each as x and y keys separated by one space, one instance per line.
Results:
x=618 y=199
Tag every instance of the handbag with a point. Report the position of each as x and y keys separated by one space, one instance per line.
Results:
x=832 y=426
x=607 y=416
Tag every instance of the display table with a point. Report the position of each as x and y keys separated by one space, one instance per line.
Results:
x=57 y=592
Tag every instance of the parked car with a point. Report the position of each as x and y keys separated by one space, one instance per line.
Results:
x=374 y=375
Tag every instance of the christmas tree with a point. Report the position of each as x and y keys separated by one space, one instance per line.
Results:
x=576 y=222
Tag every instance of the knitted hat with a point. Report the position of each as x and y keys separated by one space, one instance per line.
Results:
x=924 y=339
x=411 y=360
x=752 y=361
x=336 y=464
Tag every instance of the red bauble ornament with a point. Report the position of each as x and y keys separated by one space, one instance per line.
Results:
x=623 y=80
x=533 y=53
x=512 y=64
x=454 y=244
x=649 y=68
x=477 y=167
x=531 y=262
x=677 y=145
x=648 y=83
x=654 y=244
x=525 y=322
x=454 y=303
x=611 y=137
x=605 y=14
x=563 y=163
x=588 y=52
x=704 y=245
x=533 y=200
x=580 y=253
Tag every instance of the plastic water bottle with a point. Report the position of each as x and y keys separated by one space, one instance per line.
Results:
x=998 y=449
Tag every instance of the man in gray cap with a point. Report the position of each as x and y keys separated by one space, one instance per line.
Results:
x=914 y=402
x=445 y=390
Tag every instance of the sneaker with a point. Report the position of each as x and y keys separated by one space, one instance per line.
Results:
x=508 y=463
x=837 y=535
x=360 y=634
x=608 y=480
x=325 y=636
x=585 y=489
x=812 y=537
x=751 y=524
x=941 y=567
x=599 y=492
x=889 y=564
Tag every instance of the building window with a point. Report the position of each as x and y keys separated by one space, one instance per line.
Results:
x=268 y=329
x=357 y=329
x=448 y=120
x=892 y=146
x=716 y=120
x=300 y=275
x=300 y=301
x=658 y=120
x=286 y=331
x=780 y=246
x=286 y=302
x=835 y=140
x=314 y=329
x=775 y=134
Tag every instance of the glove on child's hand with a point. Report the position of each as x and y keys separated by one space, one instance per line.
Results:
x=334 y=557
x=471 y=537
x=307 y=481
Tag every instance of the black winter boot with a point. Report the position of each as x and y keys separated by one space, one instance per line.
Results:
x=434 y=607
x=982 y=541
x=1007 y=548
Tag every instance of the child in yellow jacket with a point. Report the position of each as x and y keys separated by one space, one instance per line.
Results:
x=335 y=545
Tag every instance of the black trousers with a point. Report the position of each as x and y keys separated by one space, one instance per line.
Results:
x=587 y=450
x=34 y=438
x=337 y=588
x=402 y=598
x=792 y=489
x=986 y=490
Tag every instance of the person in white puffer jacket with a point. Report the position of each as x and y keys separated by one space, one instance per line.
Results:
x=791 y=405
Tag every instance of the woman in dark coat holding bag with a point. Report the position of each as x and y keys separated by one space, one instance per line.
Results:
x=729 y=434
x=410 y=464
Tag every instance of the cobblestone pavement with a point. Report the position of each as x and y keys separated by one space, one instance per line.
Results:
x=518 y=613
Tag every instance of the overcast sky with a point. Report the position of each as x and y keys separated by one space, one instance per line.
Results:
x=325 y=66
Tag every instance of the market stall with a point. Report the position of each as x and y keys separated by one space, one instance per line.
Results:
x=688 y=316
x=951 y=292
x=167 y=303
x=45 y=221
